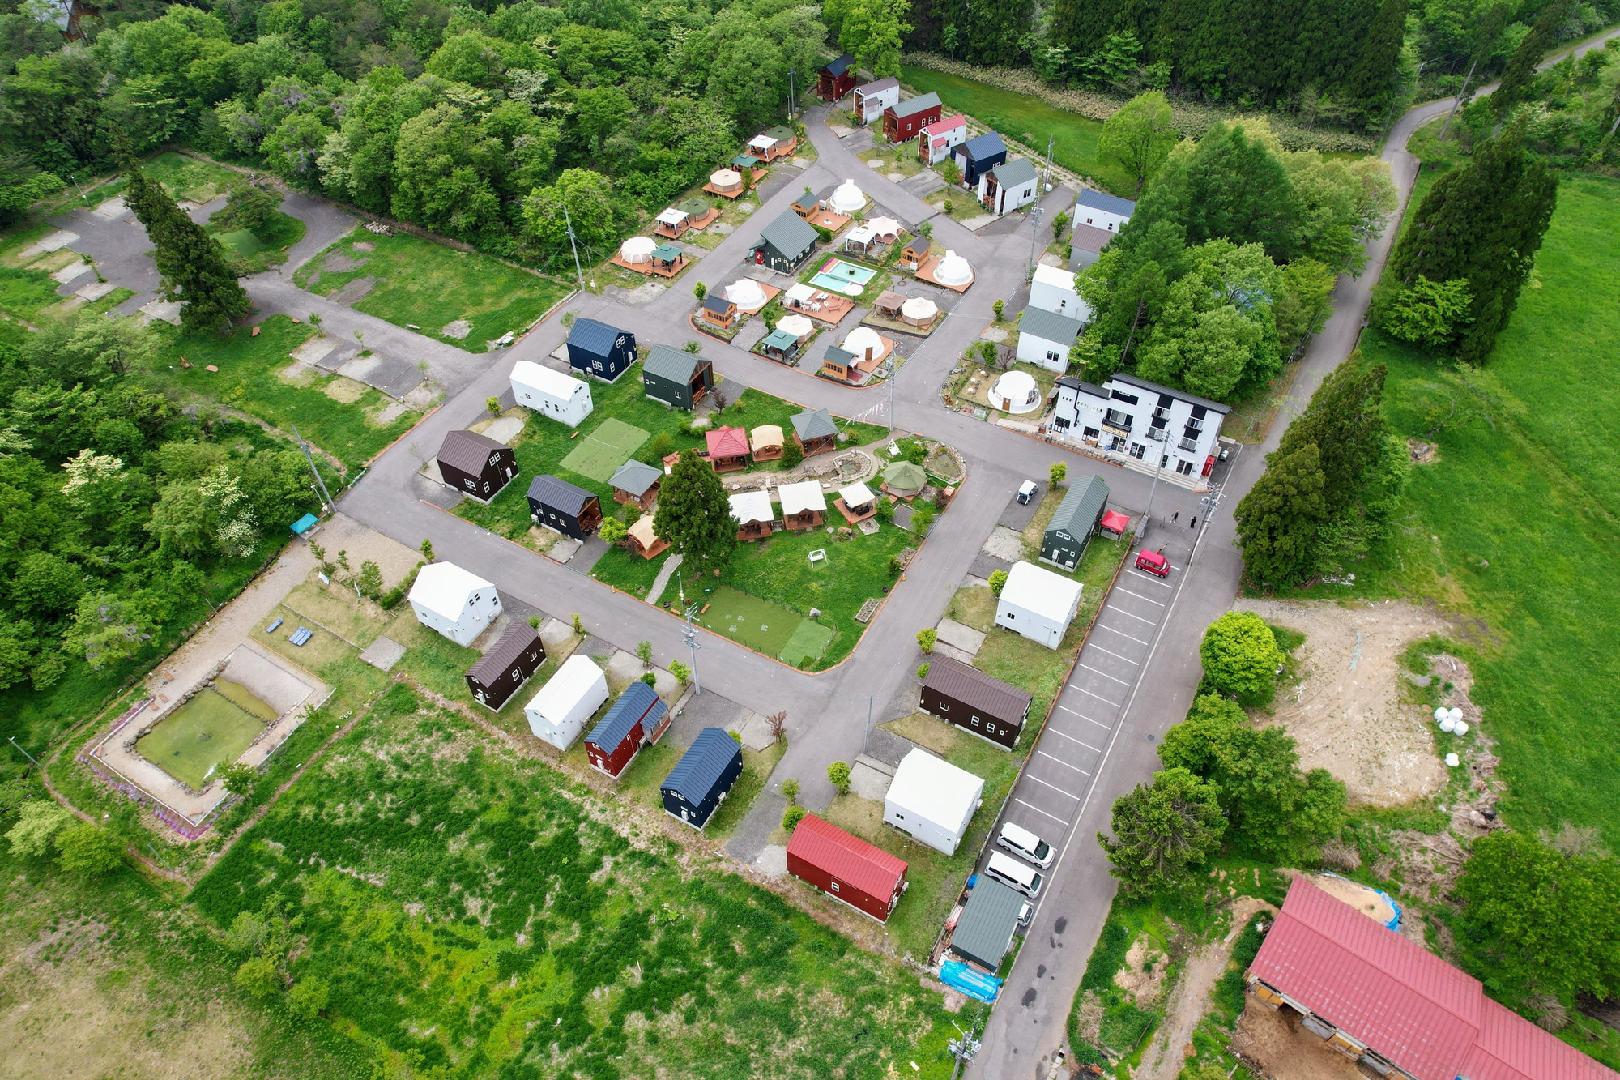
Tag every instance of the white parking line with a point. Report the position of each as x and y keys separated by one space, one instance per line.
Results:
x=1138 y=575
x=1115 y=655
x=1104 y=674
x=1131 y=615
x=1071 y=738
x=1121 y=633
x=1038 y=810
x=1083 y=716
x=1099 y=697
x=1054 y=787
x=1063 y=763
x=1139 y=596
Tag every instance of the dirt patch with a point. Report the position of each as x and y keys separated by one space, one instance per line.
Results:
x=457 y=330
x=1361 y=897
x=1346 y=711
x=339 y=263
x=1273 y=1041
x=354 y=291
x=1142 y=974
x=343 y=389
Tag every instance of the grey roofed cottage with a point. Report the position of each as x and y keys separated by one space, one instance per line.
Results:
x=785 y=243
x=920 y=103
x=968 y=698
x=985 y=929
x=1017 y=171
x=634 y=481
x=1073 y=524
x=1050 y=326
x=475 y=464
x=675 y=377
x=814 y=431
x=566 y=507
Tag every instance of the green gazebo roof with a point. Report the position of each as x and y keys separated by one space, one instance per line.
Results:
x=905 y=476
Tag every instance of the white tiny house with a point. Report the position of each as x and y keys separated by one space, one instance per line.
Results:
x=932 y=801
x=1037 y=604
x=551 y=393
x=557 y=714
x=454 y=602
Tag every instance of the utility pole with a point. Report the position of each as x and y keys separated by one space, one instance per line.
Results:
x=1462 y=95
x=964 y=1049
x=689 y=632
x=569 y=221
x=791 y=109
x=1046 y=181
x=1034 y=238
x=12 y=739
x=302 y=445
x=1158 y=466
x=894 y=372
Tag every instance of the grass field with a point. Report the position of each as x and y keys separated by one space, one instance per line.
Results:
x=1029 y=120
x=189 y=179
x=206 y=732
x=609 y=445
x=252 y=253
x=525 y=936
x=416 y=282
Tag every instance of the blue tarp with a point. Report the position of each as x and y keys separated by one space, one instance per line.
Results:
x=304 y=524
x=975 y=984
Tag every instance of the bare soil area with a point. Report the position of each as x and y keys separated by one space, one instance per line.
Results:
x=1274 y=1042
x=1346 y=712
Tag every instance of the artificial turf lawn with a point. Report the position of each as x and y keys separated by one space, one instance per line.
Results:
x=207 y=731
x=417 y=282
x=608 y=446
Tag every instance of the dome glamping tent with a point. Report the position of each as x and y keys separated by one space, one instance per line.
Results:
x=864 y=343
x=727 y=182
x=847 y=198
x=1015 y=392
x=746 y=294
x=904 y=479
x=919 y=311
x=953 y=271
x=637 y=249
x=797 y=325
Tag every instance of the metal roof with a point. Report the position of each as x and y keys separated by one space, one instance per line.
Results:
x=1050 y=326
x=594 y=337
x=985 y=929
x=672 y=364
x=983 y=146
x=813 y=424
x=974 y=688
x=443 y=588
x=636 y=477
x=1081 y=507
x=695 y=776
x=944 y=124
x=779 y=339
x=467 y=450
x=847 y=858
x=639 y=701
x=560 y=495
x=1091 y=238
x=879 y=85
x=1100 y=200
x=1143 y=384
x=716 y=303
x=1040 y=591
x=913 y=106
x=1427 y=1017
x=839 y=64
x=1077 y=383
x=546 y=380
x=789 y=234
x=934 y=789
x=1014 y=172
x=513 y=644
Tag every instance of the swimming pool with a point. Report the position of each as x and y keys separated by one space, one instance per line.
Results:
x=841 y=277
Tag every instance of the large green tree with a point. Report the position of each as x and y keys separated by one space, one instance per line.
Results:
x=194 y=267
x=1140 y=136
x=1345 y=421
x=694 y=514
x=1163 y=833
x=1279 y=520
x=1240 y=657
x=1521 y=69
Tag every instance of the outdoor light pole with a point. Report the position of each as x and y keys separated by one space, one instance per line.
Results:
x=689 y=632
x=569 y=221
x=1034 y=238
x=302 y=445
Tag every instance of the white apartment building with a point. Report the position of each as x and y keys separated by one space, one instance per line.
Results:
x=1132 y=421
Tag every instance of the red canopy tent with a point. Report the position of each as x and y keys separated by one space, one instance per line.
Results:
x=1114 y=523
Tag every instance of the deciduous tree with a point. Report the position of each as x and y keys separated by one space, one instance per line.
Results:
x=89 y=850
x=1240 y=657
x=1139 y=136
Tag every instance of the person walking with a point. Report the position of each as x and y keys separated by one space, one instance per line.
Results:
x=1174 y=516
x=1194 y=524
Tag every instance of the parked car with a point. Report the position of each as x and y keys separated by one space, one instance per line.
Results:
x=1025 y=844
x=1026 y=492
x=1013 y=874
x=1153 y=562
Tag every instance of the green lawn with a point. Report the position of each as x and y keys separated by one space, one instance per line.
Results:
x=252 y=253
x=419 y=283
x=1029 y=120
x=1514 y=524
x=208 y=731
x=248 y=379
x=189 y=179
x=474 y=915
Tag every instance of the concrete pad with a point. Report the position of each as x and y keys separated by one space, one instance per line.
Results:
x=114 y=209
x=94 y=291
x=964 y=638
x=993 y=333
x=772 y=861
x=1004 y=544
x=564 y=549
x=360 y=368
x=314 y=350
x=954 y=653
x=458 y=330
x=395 y=377
x=162 y=311
x=391 y=412
x=622 y=669
x=56 y=241
x=76 y=268
x=383 y=653
x=755 y=731
x=503 y=429
x=870 y=778
x=556 y=635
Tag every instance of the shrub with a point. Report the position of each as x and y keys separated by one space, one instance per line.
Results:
x=238 y=778
x=649 y=678
x=88 y=849
x=790 y=790
x=493 y=404
x=682 y=673
x=1058 y=473
x=923 y=669
x=998 y=581
x=792 y=816
x=838 y=776
x=926 y=638
x=736 y=737
x=308 y=997
x=792 y=456
x=258 y=978
x=579 y=625
x=700 y=290
x=999 y=307
x=34 y=831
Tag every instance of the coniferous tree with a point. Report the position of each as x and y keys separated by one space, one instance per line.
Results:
x=1522 y=65
x=694 y=514
x=1278 y=521
x=1164 y=832
x=192 y=264
x=1345 y=421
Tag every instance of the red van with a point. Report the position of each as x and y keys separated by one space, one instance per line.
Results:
x=1153 y=562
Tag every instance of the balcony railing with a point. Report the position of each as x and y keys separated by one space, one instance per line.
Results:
x=1189 y=444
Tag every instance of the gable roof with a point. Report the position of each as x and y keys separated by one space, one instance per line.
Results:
x=918 y=104
x=1081 y=507
x=517 y=640
x=636 y=477
x=1101 y=200
x=848 y=858
x=985 y=929
x=560 y=495
x=467 y=451
x=716 y=303
x=983 y=146
x=1091 y=238
x=1153 y=387
x=638 y=702
x=443 y=588
x=594 y=337
x=934 y=789
x=726 y=442
x=805 y=495
x=1040 y=591
x=1055 y=276
x=879 y=85
x=545 y=380
x=1424 y=1015
x=972 y=687
x=672 y=364
x=1014 y=172
x=1049 y=326
x=839 y=64
x=944 y=124
x=813 y=424
x=694 y=776
x=788 y=234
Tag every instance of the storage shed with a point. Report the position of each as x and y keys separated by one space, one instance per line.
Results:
x=1074 y=523
x=700 y=781
x=985 y=929
x=551 y=393
x=836 y=79
x=980 y=704
x=1102 y=211
x=1037 y=604
x=1045 y=338
x=785 y=243
x=454 y=602
x=503 y=670
x=845 y=867
x=568 y=508
x=595 y=348
x=476 y=465
x=558 y=712
x=904 y=120
x=676 y=377
x=979 y=155
x=932 y=801
x=635 y=719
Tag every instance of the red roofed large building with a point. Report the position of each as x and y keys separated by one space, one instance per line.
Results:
x=1401 y=1010
x=865 y=877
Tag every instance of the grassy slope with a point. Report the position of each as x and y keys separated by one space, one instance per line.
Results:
x=1515 y=523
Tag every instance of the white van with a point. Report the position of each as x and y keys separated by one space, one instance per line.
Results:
x=1025 y=844
x=1013 y=874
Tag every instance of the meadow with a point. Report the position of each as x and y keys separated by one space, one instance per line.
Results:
x=478 y=915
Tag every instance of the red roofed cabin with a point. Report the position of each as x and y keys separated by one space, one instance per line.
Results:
x=865 y=877
x=1387 y=1002
x=728 y=448
x=836 y=79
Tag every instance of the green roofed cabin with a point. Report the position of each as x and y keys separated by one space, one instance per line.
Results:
x=1074 y=523
x=676 y=378
x=785 y=243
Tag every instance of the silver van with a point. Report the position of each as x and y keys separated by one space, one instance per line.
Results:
x=1014 y=874
x=1025 y=844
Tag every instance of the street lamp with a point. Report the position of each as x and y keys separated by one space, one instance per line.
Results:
x=689 y=633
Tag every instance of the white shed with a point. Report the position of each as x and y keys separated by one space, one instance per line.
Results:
x=1037 y=603
x=932 y=801
x=557 y=714
x=1045 y=338
x=454 y=602
x=551 y=393
x=1052 y=289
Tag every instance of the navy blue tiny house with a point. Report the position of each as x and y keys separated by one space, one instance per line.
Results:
x=600 y=350
x=699 y=782
x=979 y=155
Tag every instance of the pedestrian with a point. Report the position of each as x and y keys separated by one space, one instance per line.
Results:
x=1174 y=516
x=1194 y=524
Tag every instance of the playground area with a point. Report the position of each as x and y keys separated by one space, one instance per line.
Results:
x=605 y=449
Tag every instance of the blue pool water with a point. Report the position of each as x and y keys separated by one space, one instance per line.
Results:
x=837 y=276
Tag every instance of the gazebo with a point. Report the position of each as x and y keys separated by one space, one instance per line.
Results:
x=904 y=479
x=766 y=442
